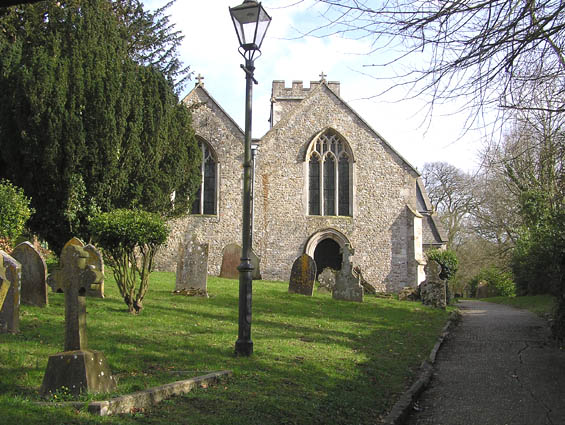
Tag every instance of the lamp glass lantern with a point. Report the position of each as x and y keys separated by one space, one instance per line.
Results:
x=251 y=22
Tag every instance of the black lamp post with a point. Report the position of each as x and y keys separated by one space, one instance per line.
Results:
x=251 y=22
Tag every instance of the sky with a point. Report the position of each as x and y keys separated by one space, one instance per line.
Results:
x=210 y=48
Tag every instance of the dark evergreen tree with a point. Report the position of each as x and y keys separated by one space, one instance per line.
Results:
x=83 y=126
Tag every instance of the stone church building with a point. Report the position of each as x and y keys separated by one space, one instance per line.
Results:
x=322 y=178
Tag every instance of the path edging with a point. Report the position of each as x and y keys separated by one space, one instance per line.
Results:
x=402 y=407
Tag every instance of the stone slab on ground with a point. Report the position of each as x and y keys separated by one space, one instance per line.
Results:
x=146 y=398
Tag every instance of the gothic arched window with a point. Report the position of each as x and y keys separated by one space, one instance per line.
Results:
x=329 y=161
x=206 y=197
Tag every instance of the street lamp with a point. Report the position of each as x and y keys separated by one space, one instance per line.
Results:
x=251 y=22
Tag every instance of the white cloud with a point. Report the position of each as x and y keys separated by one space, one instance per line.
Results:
x=210 y=48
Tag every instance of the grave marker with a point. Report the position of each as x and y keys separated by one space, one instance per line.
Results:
x=192 y=267
x=231 y=258
x=347 y=286
x=11 y=285
x=34 y=274
x=302 y=276
x=77 y=368
x=95 y=260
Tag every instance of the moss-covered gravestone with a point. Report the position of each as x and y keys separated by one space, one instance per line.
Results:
x=302 y=276
x=77 y=369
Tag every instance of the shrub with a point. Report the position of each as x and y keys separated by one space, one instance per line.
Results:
x=447 y=259
x=499 y=282
x=14 y=212
x=129 y=240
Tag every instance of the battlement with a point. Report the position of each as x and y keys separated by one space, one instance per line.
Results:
x=297 y=91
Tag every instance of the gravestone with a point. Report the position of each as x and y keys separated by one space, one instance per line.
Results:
x=95 y=260
x=256 y=263
x=34 y=275
x=347 y=286
x=192 y=268
x=432 y=290
x=11 y=286
x=231 y=258
x=326 y=280
x=54 y=279
x=77 y=368
x=302 y=276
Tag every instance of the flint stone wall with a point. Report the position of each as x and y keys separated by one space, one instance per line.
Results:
x=380 y=230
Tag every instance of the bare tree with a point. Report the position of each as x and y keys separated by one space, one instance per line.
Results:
x=486 y=52
x=451 y=195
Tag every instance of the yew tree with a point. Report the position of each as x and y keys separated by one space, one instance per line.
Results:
x=87 y=123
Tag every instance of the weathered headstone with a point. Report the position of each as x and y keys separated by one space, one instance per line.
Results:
x=347 y=286
x=78 y=369
x=432 y=290
x=326 y=280
x=256 y=263
x=302 y=276
x=34 y=274
x=10 y=311
x=231 y=258
x=192 y=268
x=54 y=280
x=95 y=260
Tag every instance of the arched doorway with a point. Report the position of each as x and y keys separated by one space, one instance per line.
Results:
x=327 y=254
x=325 y=247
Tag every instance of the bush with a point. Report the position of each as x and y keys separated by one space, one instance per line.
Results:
x=14 y=213
x=129 y=240
x=447 y=259
x=500 y=283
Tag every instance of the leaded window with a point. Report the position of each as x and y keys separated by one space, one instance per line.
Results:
x=205 y=198
x=329 y=176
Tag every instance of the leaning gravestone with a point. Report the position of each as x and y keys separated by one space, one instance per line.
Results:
x=78 y=369
x=231 y=258
x=11 y=285
x=432 y=290
x=302 y=276
x=347 y=286
x=34 y=274
x=95 y=260
x=326 y=279
x=192 y=268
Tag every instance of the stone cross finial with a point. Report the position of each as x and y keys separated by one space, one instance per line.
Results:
x=76 y=280
x=199 y=78
x=323 y=76
x=347 y=252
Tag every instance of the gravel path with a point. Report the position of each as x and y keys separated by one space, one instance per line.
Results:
x=497 y=367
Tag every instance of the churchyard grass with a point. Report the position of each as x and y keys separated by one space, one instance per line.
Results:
x=316 y=360
x=538 y=304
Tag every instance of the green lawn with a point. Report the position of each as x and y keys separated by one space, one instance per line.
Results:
x=316 y=360
x=538 y=304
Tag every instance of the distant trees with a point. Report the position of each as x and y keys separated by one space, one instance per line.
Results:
x=88 y=122
x=451 y=193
